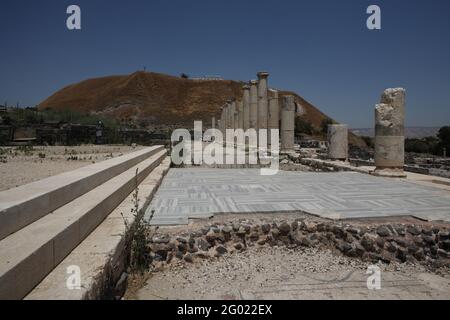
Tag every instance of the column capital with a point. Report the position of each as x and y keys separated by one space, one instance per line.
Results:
x=263 y=75
x=246 y=87
x=253 y=82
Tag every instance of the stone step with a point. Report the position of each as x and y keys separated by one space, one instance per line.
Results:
x=23 y=205
x=28 y=255
x=102 y=256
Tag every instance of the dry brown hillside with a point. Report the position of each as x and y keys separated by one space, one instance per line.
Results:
x=156 y=99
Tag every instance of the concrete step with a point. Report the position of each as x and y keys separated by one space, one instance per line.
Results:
x=28 y=203
x=101 y=257
x=28 y=255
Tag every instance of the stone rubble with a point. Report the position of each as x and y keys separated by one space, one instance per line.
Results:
x=428 y=246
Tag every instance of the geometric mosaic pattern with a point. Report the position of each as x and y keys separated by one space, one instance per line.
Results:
x=198 y=193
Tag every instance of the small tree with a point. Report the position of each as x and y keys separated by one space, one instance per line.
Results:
x=303 y=126
x=444 y=139
x=324 y=125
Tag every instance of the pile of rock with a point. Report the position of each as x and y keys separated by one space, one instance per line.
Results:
x=391 y=242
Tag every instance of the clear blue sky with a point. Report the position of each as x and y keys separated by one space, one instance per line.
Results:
x=320 y=49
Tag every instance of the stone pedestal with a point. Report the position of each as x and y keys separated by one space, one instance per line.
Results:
x=246 y=106
x=338 y=142
x=287 y=124
x=390 y=133
x=254 y=104
x=274 y=113
x=263 y=104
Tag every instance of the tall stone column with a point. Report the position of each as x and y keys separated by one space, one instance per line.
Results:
x=240 y=109
x=223 y=120
x=338 y=142
x=246 y=106
x=228 y=112
x=287 y=124
x=274 y=113
x=254 y=104
x=233 y=115
x=219 y=128
x=390 y=133
x=263 y=104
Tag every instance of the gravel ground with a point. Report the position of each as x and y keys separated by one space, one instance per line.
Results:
x=265 y=272
x=19 y=165
x=281 y=273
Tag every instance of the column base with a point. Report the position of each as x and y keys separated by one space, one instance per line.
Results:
x=389 y=172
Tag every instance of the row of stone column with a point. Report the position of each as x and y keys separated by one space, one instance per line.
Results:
x=389 y=135
x=259 y=108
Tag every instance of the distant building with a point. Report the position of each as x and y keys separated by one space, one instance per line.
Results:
x=3 y=109
x=208 y=78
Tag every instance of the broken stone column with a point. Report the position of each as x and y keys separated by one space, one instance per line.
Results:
x=263 y=104
x=338 y=142
x=287 y=124
x=273 y=122
x=390 y=133
x=246 y=106
x=254 y=104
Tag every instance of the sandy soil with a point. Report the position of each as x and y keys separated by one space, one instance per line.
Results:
x=22 y=165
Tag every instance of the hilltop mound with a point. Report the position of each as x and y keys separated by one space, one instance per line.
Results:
x=157 y=99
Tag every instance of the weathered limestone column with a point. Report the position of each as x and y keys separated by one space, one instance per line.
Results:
x=219 y=126
x=225 y=117
x=254 y=104
x=246 y=106
x=233 y=115
x=240 y=111
x=287 y=124
x=223 y=120
x=338 y=142
x=274 y=113
x=228 y=108
x=263 y=104
x=390 y=133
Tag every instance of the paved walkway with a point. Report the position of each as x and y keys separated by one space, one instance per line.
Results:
x=200 y=193
x=352 y=286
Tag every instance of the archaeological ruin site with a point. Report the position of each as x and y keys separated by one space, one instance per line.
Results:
x=210 y=158
x=137 y=225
